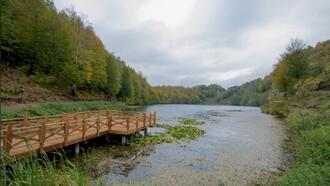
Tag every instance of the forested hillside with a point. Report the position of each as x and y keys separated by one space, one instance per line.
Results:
x=301 y=95
x=60 y=50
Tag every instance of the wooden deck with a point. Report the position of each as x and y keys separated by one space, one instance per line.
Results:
x=40 y=134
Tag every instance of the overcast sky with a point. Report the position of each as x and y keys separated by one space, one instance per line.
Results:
x=191 y=42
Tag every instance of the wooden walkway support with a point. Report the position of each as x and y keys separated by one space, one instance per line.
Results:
x=40 y=134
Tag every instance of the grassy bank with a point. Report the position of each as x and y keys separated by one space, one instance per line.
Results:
x=308 y=121
x=58 y=108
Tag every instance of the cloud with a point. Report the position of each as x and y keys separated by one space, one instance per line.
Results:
x=191 y=42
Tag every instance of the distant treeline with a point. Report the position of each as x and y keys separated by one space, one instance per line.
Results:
x=252 y=93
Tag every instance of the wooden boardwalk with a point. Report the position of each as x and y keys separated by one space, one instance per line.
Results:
x=40 y=134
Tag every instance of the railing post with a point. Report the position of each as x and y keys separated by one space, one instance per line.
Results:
x=154 y=119
x=25 y=120
x=42 y=133
x=98 y=125
x=66 y=133
x=109 y=120
x=9 y=138
x=84 y=127
x=62 y=118
x=128 y=120
x=144 y=120
x=137 y=122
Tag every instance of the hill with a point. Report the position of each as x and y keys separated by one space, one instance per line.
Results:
x=59 y=51
x=301 y=96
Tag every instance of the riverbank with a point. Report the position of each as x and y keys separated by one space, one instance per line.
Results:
x=307 y=118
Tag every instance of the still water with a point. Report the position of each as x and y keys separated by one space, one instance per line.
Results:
x=241 y=146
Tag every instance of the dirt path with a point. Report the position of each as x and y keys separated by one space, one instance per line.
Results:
x=16 y=106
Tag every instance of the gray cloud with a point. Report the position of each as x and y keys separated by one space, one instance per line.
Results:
x=212 y=41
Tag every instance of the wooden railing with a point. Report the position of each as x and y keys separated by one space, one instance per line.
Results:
x=21 y=135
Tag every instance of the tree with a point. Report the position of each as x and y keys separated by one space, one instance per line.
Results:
x=296 y=60
x=127 y=90
x=281 y=80
x=113 y=77
x=8 y=32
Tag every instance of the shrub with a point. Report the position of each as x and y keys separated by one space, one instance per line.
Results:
x=303 y=120
x=306 y=175
x=313 y=147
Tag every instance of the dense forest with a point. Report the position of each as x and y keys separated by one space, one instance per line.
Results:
x=60 y=49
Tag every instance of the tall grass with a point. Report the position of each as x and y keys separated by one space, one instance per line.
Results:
x=39 y=171
x=58 y=108
x=310 y=141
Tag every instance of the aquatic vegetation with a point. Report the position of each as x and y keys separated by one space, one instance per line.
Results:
x=150 y=139
x=188 y=121
x=172 y=134
x=180 y=132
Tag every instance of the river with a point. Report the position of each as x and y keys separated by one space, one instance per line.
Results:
x=241 y=146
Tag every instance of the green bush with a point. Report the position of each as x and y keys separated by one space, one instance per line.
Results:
x=303 y=120
x=277 y=108
x=313 y=147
